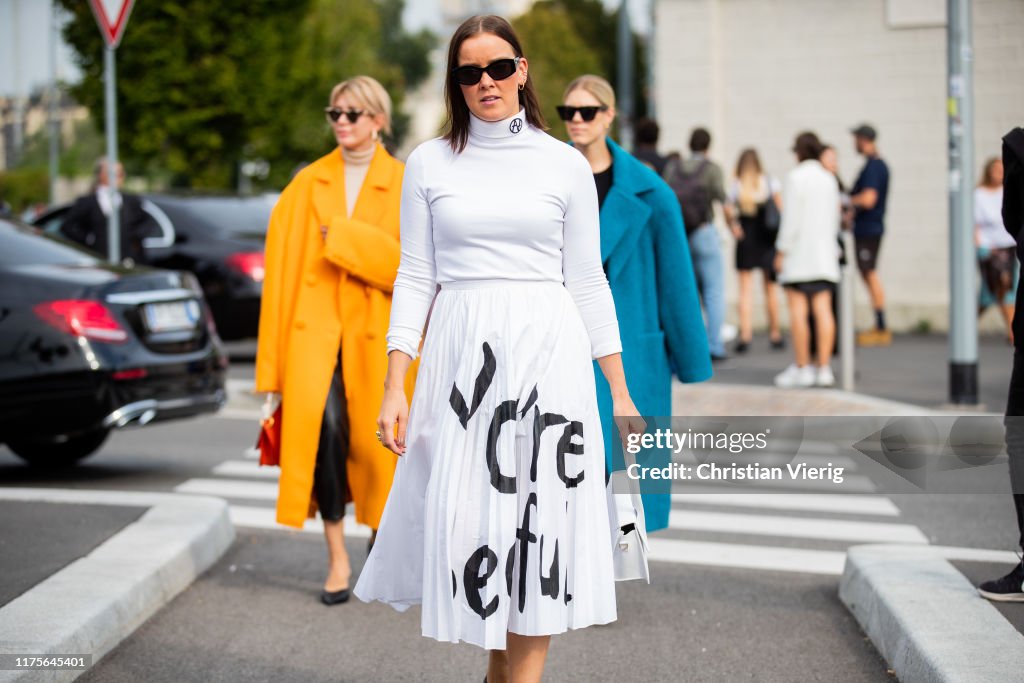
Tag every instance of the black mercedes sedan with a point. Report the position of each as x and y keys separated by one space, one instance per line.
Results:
x=219 y=239
x=86 y=348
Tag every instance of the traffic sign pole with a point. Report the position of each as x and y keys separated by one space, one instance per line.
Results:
x=110 y=99
x=112 y=17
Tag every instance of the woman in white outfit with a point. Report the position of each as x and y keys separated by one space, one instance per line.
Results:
x=497 y=521
x=807 y=261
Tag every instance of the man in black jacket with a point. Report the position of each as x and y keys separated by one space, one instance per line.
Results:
x=1010 y=588
x=86 y=222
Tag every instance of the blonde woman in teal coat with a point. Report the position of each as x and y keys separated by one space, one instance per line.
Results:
x=647 y=260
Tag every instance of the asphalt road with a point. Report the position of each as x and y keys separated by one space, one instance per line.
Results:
x=719 y=607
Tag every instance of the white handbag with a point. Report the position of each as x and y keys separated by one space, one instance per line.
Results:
x=628 y=527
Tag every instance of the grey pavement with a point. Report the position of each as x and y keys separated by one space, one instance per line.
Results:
x=915 y=369
x=254 y=614
x=39 y=539
x=90 y=605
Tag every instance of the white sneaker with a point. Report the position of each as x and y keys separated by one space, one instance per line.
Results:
x=825 y=377
x=796 y=376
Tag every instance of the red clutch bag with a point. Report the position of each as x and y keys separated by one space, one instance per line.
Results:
x=269 y=442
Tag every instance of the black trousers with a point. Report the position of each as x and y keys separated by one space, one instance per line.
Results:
x=1015 y=436
x=330 y=478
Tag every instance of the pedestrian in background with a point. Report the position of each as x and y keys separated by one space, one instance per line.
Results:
x=644 y=252
x=87 y=221
x=807 y=262
x=332 y=254
x=995 y=246
x=1010 y=588
x=752 y=211
x=868 y=197
x=646 y=132
x=830 y=160
x=698 y=184
x=502 y=445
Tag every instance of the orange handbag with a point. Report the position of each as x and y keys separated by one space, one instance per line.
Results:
x=269 y=442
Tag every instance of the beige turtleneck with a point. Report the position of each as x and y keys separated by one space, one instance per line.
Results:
x=356 y=166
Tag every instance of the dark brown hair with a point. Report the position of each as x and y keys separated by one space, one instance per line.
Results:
x=456 y=126
x=700 y=140
x=807 y=146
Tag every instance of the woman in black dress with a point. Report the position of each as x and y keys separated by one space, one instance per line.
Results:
x=753 y=214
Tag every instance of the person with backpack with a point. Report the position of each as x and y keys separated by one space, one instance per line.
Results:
x=698 y=183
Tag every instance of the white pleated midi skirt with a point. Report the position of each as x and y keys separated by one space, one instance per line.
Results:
x=497 y=519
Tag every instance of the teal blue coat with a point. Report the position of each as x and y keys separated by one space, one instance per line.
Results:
x=647 y=259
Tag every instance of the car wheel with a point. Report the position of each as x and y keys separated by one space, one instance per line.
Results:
x=59 y=451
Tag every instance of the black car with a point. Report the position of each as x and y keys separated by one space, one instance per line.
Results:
x=87 y=347
x=219 y=239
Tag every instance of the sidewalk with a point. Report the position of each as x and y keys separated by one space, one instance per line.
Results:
x=915 y=370
x=97 y=595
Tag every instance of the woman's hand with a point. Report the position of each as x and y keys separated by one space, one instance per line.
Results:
x=737 y=231
x=394 y=416
x=627 y=418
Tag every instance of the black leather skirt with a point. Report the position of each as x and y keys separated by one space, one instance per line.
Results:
x=330 y=478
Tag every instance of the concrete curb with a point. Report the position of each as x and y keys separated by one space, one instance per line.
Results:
x=95 y=602
x=925 y=617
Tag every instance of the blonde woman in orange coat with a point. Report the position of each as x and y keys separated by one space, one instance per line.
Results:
x=331 y=258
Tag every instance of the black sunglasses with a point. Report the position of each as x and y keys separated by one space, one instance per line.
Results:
x=333 y=113
x=498 y=70
x=567 y=113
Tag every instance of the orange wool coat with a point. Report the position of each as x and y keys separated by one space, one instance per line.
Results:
x=322 y=294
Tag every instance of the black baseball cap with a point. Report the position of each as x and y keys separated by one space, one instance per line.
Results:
x=865 y=131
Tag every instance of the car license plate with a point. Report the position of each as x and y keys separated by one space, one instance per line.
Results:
x=172 y=316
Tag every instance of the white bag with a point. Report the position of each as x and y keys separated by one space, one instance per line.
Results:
x=629 y=549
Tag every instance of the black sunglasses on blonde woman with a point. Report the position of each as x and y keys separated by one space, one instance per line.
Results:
x=498 y=70
x=333 y=113
x=567 y=113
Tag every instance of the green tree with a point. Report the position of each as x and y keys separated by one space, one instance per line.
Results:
x=75 y=160
x=204 y=85
x=556 y=54
x=599 y=31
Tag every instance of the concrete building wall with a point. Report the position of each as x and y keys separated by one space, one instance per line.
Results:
x=757 y=72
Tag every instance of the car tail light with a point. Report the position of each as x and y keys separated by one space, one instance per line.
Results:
x=134 y=373
x=249 y=263
x=82 y=318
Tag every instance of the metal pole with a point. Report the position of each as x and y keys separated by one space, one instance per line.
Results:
x=625 y=77
x=18 y=132
x=652 y=109
x=52 y=109
x=114 y=219
x=963 y=323
x=846 y=345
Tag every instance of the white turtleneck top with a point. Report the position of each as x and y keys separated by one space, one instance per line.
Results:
x=515 y=204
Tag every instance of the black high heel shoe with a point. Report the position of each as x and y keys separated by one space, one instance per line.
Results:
x=335 y=597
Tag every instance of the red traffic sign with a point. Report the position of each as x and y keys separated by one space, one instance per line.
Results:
x=112 y=16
